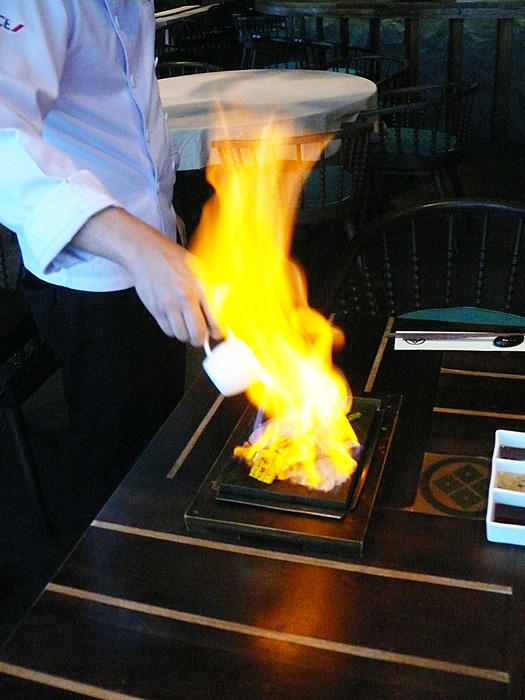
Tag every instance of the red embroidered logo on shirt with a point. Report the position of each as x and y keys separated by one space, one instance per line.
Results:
x=5 y=23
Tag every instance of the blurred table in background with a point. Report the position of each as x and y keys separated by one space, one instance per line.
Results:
x=304 y=100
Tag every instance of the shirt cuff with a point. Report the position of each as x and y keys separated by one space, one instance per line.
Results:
x=55 y=221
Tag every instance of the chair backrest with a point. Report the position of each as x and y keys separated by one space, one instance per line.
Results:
x=207 y=37
x=335 y=185
x=272 y=42
x=279 y=54
x=336 y=51
x=172 y=69
x=418 y=93
x=421 y=122
x=446 y=255
x=387 y=72
x=253 y=27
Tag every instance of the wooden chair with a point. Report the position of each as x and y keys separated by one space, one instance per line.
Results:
x=265 y=42
x=420 y=129
x=459 y=261
x=387 y=72
x=318 y=48
x=277 y=42
x=455 y=260
x=344 y=53
x=26 y=362
x=206 y=37
x=172 y=69
x=335 y=185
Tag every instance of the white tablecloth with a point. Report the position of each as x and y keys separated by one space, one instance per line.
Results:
x=310 y=100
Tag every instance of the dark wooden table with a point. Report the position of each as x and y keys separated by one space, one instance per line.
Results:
x=145 y=609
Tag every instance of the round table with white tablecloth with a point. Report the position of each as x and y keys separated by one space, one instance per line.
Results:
x=308 y=100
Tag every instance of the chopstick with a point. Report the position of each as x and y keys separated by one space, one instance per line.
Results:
x=449 y=335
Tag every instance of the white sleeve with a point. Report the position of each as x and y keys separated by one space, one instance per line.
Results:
x=44 y=197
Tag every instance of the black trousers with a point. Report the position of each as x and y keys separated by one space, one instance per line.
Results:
x=122 y=377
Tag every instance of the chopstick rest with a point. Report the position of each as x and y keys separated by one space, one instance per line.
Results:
x=458 y=340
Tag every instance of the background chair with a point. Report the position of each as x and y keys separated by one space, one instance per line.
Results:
x=278 y=42
x=334 y=187
x=420 y=129
x=387 y=72
x=451 y=260
x=342 y=52
x=26 y=362
x=172 y=69
x=458 y=261
x=208 y=37
x=332 y=197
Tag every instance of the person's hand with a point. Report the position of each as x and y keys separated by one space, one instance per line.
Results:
x=169 y=289
x=162 y=272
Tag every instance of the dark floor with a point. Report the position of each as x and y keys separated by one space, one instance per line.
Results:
x=28 y=558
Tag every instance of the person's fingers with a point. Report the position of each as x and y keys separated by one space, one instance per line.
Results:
x=186 y=319
x=196 y=327
x=164 y=324
x=172 y=324
x=212 y=326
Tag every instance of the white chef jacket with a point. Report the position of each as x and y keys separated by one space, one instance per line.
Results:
x=81 y=129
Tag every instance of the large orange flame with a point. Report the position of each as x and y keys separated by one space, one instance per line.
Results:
x=257 y=291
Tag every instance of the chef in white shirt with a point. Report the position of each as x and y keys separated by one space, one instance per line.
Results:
x=86 y=183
